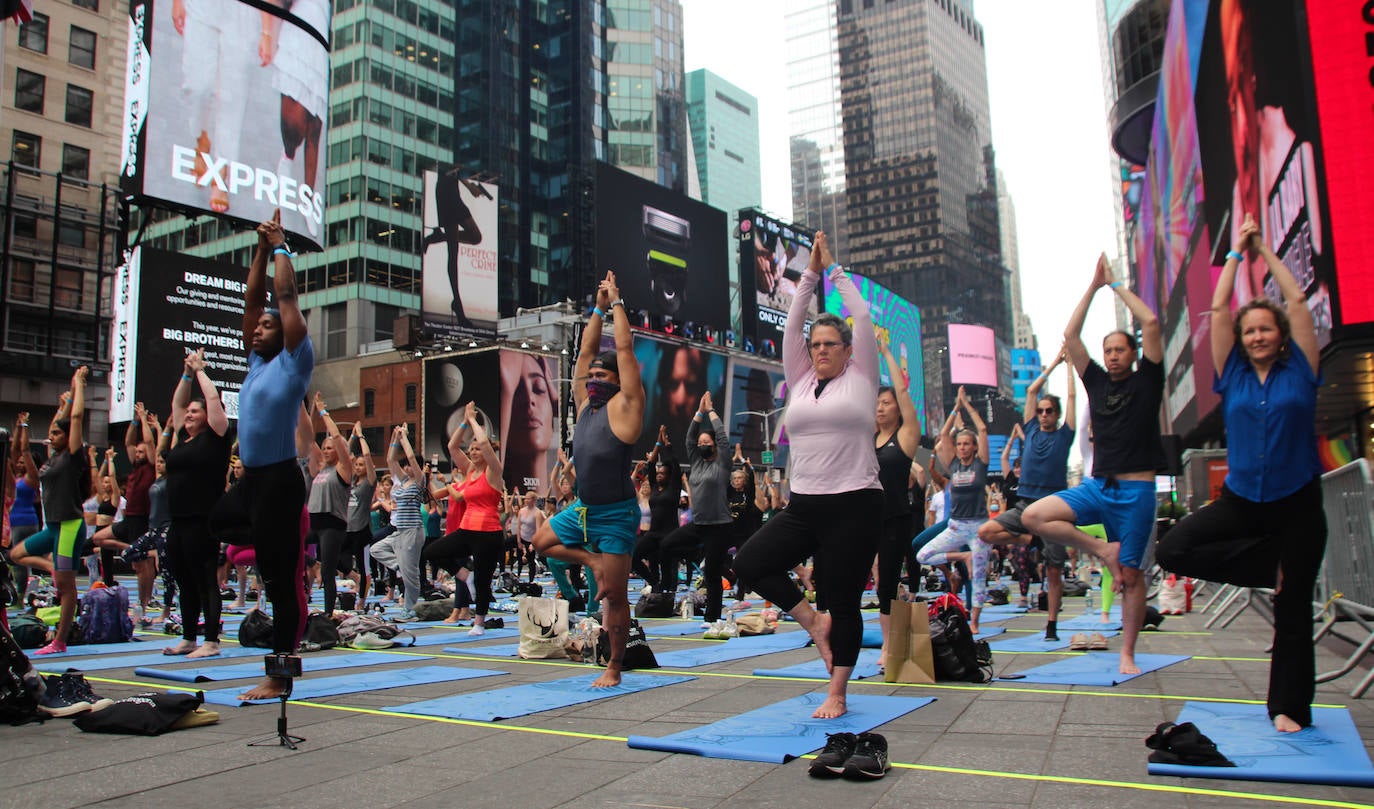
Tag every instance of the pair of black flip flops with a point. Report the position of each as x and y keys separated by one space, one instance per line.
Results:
x=1184 y=744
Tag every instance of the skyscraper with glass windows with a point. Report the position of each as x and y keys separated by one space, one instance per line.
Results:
x=814 y=119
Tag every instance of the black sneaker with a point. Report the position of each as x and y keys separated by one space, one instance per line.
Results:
x=1052 y=636
x=869 y=760
x=81 y=691
x=58 y=700
x=839 y=747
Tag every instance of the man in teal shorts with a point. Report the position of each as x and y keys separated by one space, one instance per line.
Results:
x=598 y=528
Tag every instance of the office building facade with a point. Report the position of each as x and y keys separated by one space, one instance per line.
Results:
x=815 y=126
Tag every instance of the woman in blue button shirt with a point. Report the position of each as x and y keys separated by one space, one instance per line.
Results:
x=1267 y=529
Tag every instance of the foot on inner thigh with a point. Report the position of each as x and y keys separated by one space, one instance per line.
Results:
x=832 y=708
x=820 y=634
x=1111 y=554
x=207 y=649
x=269 y=688
x=1285 y=725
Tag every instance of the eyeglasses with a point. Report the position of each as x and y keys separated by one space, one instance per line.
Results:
x=1049 y=410
x=826 y=344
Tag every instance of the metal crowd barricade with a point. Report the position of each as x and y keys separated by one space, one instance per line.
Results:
x=1347 y=582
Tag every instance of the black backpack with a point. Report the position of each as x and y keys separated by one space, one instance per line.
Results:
x=28 y=631
x=655 y=605
x=256 y=629
x=20 y=685
x=957 y=655
x=320 y=633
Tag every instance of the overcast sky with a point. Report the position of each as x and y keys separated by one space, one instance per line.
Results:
x=1048 y=128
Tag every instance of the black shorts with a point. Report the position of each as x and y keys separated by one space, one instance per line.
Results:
x=1051 y=552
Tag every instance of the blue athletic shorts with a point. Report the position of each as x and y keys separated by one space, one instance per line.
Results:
x=609 y=528
x=1126 y=509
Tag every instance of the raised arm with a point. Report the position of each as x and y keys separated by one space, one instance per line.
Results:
x=22 y=455
x=455 y=447
x=408 y=449
x=796 y=355
x=215 y=416
x=1073 y=332
x=76 y=436
x=944 y=442
x=393 y=455
x=365 y=452
x=284 y=284
x=1071 y=406
x=627 y=409
x=1300 y=319
x=343 y=462
x=984 y=452
x=109 y=469
x=1033 y=390
x=909 y=436
x=137 y=436
x=860 y=316
x=255 y=290
x=479 y=436
x=1006 y=449
x=1151 y=336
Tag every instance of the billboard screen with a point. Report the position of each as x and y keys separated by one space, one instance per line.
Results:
x=1256 y=131
x=226 y=108
x=1345 y=115
x=515 y=390
x=667 y=250
x=675 y=376
x=757 y=387
x=773 y=255
x=166 y=304
x=898 y=319
x=460 y=254
x=972 y=355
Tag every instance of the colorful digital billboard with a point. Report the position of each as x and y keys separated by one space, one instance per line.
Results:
x=773 y=255
x=226 y=107
x=899 y=321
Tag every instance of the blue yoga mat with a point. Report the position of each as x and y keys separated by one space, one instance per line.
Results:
x=110 y=648
x=242 y=671
x=989 y=632
x=1035 y=642
x=733 y=649
x=519 y=700
x=1330 y=751
x=782 y=731
x=873 y=638
x=676 y=630
x=495 y=650
x=870 y=661
x=354 y=683
x=1005 y=608
x=1095 y=668
x=440 y=638
x=133 y=661
x=1092 y=621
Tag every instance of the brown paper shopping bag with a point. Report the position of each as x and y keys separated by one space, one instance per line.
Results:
x=909 y=658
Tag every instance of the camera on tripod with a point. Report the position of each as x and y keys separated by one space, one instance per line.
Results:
x=283 y=666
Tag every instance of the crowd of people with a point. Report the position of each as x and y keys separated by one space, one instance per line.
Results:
x=855 y=509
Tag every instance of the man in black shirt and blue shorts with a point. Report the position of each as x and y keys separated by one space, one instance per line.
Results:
x=1124 y=406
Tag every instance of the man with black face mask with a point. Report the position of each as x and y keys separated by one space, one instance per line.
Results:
x=709 y=533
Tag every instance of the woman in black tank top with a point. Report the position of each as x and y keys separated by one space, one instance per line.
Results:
x=897 y=436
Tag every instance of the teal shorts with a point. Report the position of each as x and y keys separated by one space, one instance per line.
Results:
x=609 y=528
x=65 y=541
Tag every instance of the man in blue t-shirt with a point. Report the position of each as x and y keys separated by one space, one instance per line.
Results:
x=1044 y=471
x=1124 y=405
x=264 y=510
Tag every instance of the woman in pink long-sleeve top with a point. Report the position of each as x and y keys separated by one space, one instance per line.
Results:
x=836 y=509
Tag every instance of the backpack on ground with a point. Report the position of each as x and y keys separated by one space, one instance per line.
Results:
x=20 y=685
x=1075 y=587
x=655 y=605
x=28 y=632
x=105 y=615
x=506 y=583
x=371 y=632
x=320 y=633
x=433 y=610
x=256 y=629
x=638 y=655
x=957 y=655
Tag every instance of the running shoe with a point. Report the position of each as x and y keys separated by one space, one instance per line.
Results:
x=869 y=760
x=830 y=763
x=58 y=700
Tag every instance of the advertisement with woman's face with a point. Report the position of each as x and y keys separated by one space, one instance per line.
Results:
x=675 y=376
x=528 y=419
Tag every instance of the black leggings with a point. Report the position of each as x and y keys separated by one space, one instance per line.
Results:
x=894 y=546
x=485 y=548
x=332 y=543
x=264 y=511
x=714 y=543
x=841 y=532
x=644 y=558
x=1241 y=542
x=194 y=556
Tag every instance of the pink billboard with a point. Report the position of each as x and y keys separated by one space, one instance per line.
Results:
x=972 y=355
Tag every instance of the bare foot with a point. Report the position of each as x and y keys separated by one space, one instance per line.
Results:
x=1128 y=665
x=269 y=688
x=453 y=618
x=1111 y=554
x=207 y=649
x=1106 y=618
x=184 y=647
x=608 y=679
x=973 y=628
x=820 y=634
x=1285 y=725
x=832 y=708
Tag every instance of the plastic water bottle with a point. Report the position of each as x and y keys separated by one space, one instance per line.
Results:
x=686 y=609
x=1088 y=599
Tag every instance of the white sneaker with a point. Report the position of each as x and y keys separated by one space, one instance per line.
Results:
x=477 y=631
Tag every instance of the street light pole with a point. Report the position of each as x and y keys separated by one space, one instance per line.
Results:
x=767 y=427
